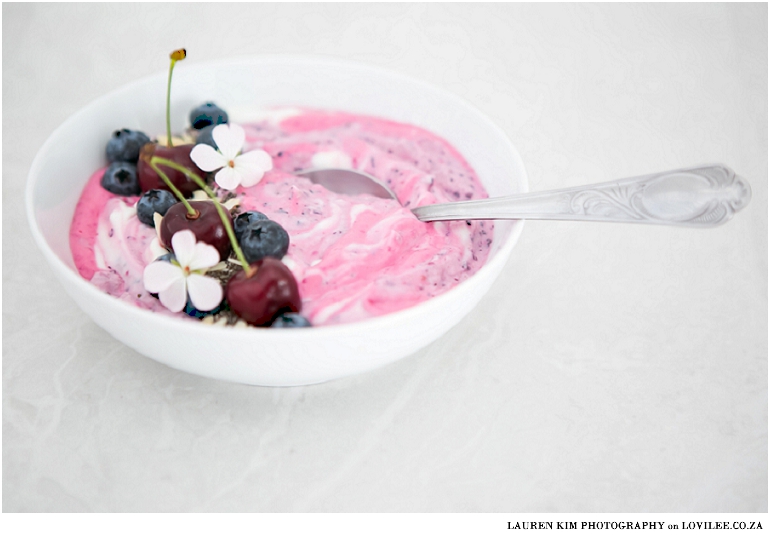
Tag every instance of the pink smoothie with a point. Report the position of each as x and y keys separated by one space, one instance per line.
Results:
x=354 y=257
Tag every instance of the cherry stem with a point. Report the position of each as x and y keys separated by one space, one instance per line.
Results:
x=168 y=103
x=153 y=163
x=225 y=220
x=176 y=55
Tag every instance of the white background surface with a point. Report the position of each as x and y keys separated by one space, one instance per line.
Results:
x=611 y=368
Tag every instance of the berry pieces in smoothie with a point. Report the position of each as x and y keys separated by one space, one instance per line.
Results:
x=352 y=257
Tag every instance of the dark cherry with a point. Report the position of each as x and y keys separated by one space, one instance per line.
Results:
x=149 y=179
x=207 y=227
x=271 y=291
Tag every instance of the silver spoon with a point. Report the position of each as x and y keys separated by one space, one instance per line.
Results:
x=703 y=196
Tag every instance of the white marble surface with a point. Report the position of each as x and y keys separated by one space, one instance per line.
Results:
x=611 y=368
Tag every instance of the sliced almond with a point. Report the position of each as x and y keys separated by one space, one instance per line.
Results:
x=157 y=219
x=232 y=203
x=163 y=140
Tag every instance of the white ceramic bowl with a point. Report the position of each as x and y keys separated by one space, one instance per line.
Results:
x=271 y=357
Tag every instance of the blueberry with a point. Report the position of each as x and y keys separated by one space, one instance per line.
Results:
x=120 y=178
x=207 y=114
x=244 y=220
x=264 y=238
x=205 y=137
x=290 y=320
x=125 y=144
x=168 y=257
x=154 y=200
x=190 y=310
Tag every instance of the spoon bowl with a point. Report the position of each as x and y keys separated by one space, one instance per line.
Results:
x=349 y=182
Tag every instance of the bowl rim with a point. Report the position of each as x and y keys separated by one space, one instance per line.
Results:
x=75 y=282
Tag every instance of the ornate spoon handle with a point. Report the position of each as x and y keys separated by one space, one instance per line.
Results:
x=704 y=196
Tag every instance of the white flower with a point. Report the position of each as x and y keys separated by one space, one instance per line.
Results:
x=173 y=281
x=234 y=168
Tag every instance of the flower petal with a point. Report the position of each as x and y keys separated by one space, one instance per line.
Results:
x=252 y=166
x=154 y=250
x=205 y=256
x=205 y=292
x=183 y=244
x=207 y=158
x=228 y=178
x=252 y=179
x=160 y=275
x=174 y=297
x=229 y=138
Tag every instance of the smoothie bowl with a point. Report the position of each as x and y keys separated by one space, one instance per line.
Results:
x=375 y=284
